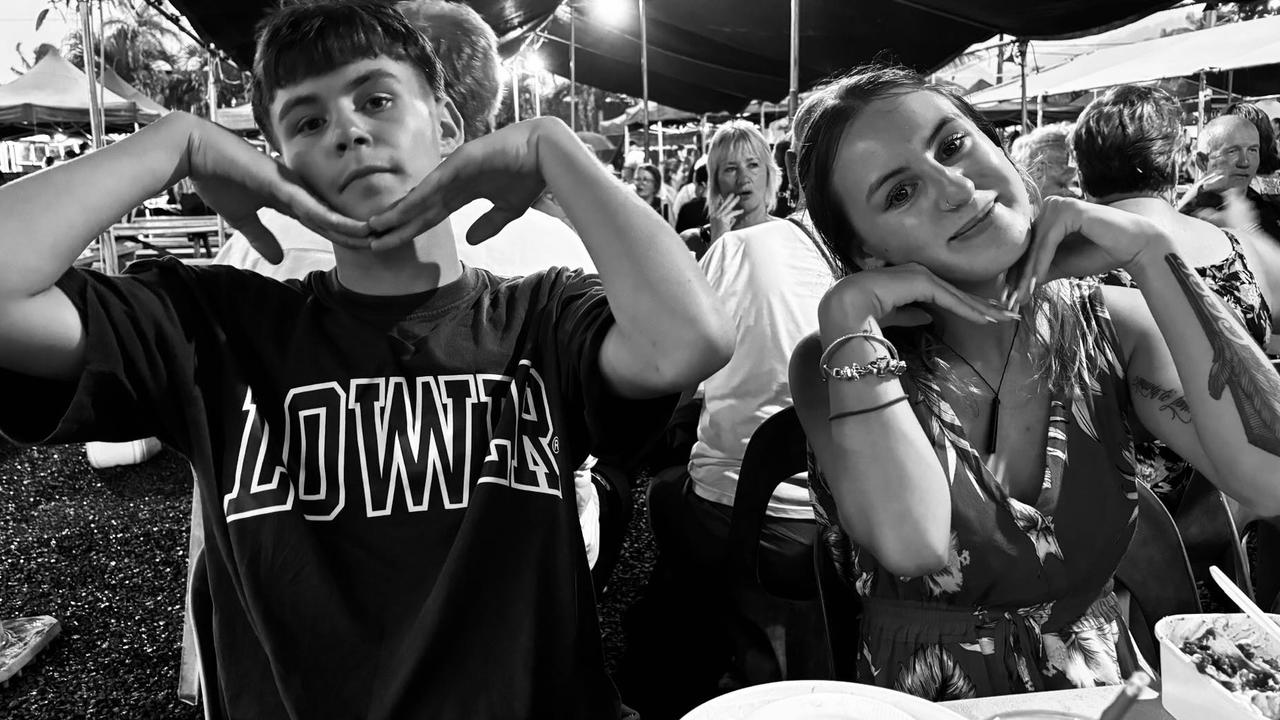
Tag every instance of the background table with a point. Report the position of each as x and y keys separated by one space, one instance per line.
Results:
x=1089 y=702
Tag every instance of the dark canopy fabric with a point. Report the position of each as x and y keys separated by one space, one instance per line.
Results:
x=718 y=55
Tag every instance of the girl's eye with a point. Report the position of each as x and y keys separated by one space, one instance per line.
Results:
x=378 y=102
x=899 y=195
x=954 y=144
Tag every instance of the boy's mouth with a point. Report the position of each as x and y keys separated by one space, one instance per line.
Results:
x=358 y=173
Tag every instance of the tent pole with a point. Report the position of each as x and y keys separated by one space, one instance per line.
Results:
x=661 y=143
x=1200 y=110
x=762 y=125
x=106 y=241
x=644 y=73
x=1231 y=82
x=1040 y=110
x=793 y=95
x=1022 y=73
x=515 y=91
x=573 y=68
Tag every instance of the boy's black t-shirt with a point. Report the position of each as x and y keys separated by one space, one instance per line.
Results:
x=387 y=482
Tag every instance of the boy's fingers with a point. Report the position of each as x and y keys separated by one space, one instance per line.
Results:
x=261 y=239
x=490 y=224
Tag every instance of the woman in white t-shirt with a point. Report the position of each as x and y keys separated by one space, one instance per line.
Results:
x=770 y=276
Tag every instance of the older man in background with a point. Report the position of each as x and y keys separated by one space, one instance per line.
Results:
x=1045 y=153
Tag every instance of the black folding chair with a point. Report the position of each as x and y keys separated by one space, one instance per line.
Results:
x=1154 y=578
x=776 y=452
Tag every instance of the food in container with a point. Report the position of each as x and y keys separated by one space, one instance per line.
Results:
x=1218 y=666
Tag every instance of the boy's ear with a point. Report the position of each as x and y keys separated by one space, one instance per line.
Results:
x=451 y=133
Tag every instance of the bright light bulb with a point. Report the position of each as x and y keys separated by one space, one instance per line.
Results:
x=533 y=64
x=612 y=12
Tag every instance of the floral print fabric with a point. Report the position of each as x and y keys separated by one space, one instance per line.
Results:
x=1025 y=602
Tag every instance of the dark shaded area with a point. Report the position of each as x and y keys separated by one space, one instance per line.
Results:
x=105 y=552
x=718 y=55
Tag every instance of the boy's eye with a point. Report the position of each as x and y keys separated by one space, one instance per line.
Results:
x=308 y=125
x=378 y=102
x=954 y=144
x=899 y=195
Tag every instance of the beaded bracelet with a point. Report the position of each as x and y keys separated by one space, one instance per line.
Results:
x=880 y=367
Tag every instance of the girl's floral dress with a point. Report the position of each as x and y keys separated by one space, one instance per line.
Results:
x=1025 y=603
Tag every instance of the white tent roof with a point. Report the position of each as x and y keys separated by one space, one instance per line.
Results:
x=1226 y=47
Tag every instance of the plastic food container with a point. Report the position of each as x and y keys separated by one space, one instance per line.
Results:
x=1187 y=693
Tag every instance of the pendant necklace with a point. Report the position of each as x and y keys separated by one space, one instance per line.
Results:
x=993 y=425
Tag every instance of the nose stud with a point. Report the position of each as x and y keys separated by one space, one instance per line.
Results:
x=949 y=206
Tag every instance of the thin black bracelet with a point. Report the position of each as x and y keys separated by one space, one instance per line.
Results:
x=881 y=406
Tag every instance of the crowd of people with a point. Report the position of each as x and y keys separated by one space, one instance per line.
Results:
x=416 y=384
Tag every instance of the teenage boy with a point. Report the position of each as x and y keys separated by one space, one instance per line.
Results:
x=384 y=451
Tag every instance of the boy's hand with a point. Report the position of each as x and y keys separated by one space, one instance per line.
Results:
x=501 y=167
x=236 y=181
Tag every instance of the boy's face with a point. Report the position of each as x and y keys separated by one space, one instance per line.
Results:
x=364 y=134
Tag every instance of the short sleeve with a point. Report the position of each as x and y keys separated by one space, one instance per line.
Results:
x=618 y=428
x=139 y=362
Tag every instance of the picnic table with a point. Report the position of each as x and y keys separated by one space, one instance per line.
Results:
x=1089 y=702
x=184 y=236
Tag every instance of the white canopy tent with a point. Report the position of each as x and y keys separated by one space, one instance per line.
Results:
x=1226 y=47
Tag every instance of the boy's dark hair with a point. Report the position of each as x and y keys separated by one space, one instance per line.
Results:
x=1128 y=140
x=468 y=52
x=305 y=39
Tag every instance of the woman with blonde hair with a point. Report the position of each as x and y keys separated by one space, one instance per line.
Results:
x=971 y=408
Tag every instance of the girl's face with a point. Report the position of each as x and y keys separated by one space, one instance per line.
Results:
x=743 y=174
x=920 y=183
x=646 y=184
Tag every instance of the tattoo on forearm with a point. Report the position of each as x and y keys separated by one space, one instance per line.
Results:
x=1236 y=364
x=1170 y=401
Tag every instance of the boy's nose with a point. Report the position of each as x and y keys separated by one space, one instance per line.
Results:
x=352 y=136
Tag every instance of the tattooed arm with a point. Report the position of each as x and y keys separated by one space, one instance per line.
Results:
x=1198 y=381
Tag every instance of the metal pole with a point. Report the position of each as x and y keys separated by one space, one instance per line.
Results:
x=1040 y=110
x=1231 y=82
x=1022 y=72
x=537 y=96
x=762 y=125
x=573 y=68
x=644 y=73
x=106 y=241
x=1200 y=110
x=793 y=96
x=515 y=91
x=211 y=88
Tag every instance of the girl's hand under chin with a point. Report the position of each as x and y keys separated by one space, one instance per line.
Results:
x=1073 y=238
x=889 y=296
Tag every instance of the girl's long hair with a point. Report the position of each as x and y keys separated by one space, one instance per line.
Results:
x=1056 y=319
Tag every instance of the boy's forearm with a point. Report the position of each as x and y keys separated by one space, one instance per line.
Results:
x=47 y=219
x=659 y=296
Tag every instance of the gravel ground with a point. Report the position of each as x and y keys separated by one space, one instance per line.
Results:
x=105 y=552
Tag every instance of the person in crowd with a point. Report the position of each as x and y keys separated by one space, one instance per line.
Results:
x=1127 y=143
x=786 y=203
x=1267 y=182
x=1228 y=154
x=648 y=184
x=1045 y=154
x=769 y=274
x=971 y=407
x=693 y=213
x=295 y=402
x=690 y=189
